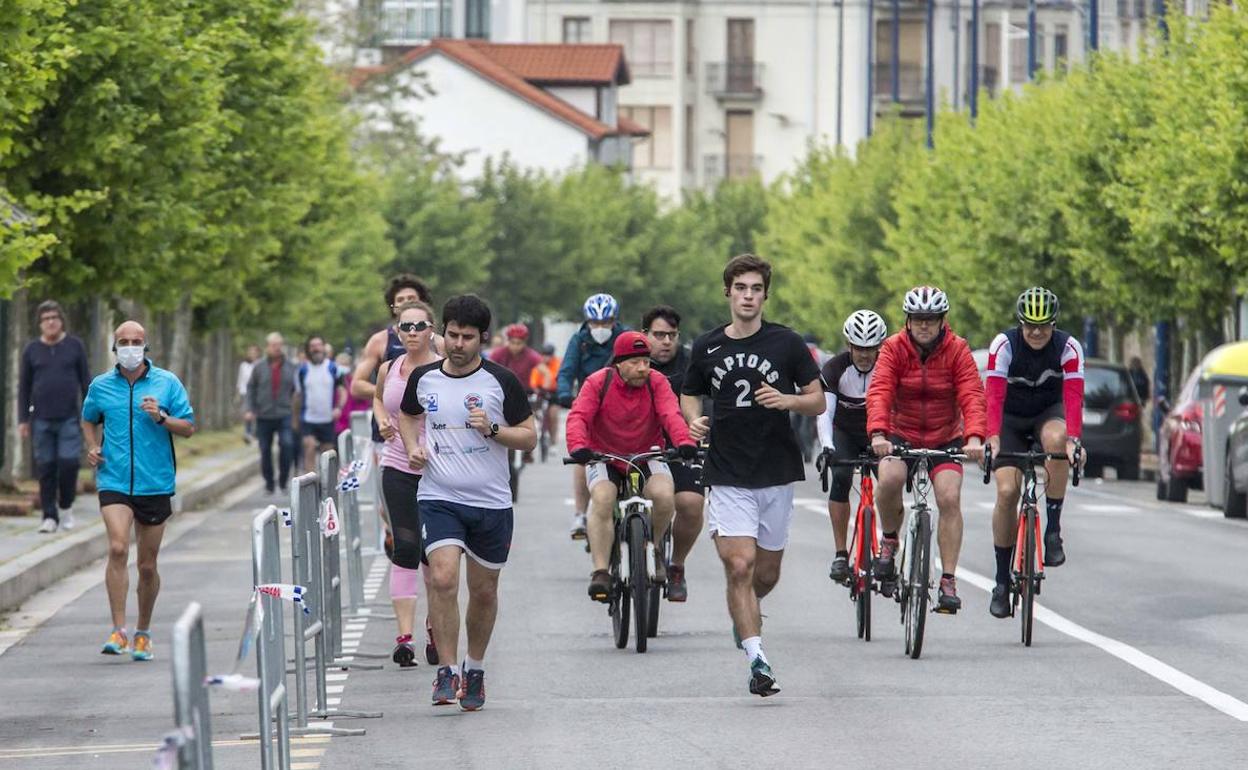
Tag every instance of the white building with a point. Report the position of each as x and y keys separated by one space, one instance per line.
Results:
x=545 y=107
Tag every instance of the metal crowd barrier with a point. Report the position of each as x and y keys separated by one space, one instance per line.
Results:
x=370 y=496
x=191 y=710
x=266 y=568
x=349 y=506
x=331 y=555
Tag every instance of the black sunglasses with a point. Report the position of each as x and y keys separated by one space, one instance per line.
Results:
x=411 y=327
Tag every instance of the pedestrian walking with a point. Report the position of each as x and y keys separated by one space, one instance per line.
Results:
x=270 y=399
x=318 y=400
x=244 y=377
x=52 y=382
x=475 y=411
x=130 y=416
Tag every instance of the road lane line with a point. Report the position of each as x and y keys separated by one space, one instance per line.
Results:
x=1163 y=672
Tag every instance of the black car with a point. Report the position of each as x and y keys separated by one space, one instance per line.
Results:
x=1112 y=434
x=1235 y=478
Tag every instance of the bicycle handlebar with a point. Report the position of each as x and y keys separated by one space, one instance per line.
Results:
x=670 y=455
x=1034 y=458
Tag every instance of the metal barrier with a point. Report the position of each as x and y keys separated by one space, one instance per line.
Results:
x=331 y=554
x=349 y=507
x=191 y=710
x=266 y=568
x=370 y=496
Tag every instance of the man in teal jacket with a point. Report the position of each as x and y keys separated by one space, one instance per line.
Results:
x=588 y=351
x=138 y=408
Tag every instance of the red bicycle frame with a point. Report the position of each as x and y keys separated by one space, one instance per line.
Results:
x=864 y=551
x=1020 y=540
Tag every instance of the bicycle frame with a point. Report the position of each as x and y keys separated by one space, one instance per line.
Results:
x=1028 y=515
x=866 y=499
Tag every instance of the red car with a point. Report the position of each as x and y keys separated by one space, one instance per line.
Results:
x=1178 y=445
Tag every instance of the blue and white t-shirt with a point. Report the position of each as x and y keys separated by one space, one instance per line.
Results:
x=318 y=383
x=464 y=466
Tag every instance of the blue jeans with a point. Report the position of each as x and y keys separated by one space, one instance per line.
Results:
x=266 y=427
x=58 y=446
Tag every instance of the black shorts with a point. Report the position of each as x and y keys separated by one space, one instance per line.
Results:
x=399 y=490
x=323 y=432
x=149 y=510
x=1019 y=434
x=687 y=479
x=846 y=446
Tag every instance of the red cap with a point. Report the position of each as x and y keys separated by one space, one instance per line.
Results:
x=631 y=345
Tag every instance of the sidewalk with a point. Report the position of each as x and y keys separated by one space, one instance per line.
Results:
x=31 y=561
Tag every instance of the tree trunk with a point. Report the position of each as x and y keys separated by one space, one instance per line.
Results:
x=14 y=461
x=100 y=336
x=177 y=355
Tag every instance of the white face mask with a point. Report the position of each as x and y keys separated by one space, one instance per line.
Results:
x=600 y=335
x=130 y=357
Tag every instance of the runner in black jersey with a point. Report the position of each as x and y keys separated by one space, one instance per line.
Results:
x=661 y=325
x=756 y=372
x=843 y=427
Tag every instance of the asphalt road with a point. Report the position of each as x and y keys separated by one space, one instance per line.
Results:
x=1141 y=662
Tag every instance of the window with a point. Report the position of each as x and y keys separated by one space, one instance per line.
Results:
x=656 y=150
x=477 y=23
x=910 y=49
x=1061 y=43
x=691 y=50
x=647 y=46
x=1018 y=55
x=410 y=21
x=576 y=29
x=689 y=133
x=992 y=58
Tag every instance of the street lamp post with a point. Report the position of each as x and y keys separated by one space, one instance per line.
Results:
x=931 y=71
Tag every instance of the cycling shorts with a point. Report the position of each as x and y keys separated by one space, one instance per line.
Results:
x=1018 y=434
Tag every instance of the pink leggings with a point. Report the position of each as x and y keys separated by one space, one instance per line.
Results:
x=404 y=582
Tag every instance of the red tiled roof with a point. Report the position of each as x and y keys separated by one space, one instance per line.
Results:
x=359 y=75
x=471 y=54
x=560 y=64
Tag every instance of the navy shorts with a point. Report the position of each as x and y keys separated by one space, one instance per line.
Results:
x=323 y=432
x=483 y=533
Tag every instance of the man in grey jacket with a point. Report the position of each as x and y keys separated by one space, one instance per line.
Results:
x=269 y=397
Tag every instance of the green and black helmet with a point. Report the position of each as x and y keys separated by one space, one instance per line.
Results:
x=1037 y=306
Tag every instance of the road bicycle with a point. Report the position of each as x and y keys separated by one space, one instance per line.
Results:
x=914 y=591
x=865 y=547
x=633 y=554
x=540 y=402
x=1027 y=572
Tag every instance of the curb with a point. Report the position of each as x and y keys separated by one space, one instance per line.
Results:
x=32 y=572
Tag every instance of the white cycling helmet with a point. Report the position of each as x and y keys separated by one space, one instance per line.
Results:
x=925 y=299
x=865 y=329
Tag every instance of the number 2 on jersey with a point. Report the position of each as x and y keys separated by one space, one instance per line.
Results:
x=744 y=396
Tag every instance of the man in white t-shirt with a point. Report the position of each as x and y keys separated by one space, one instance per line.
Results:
x=475 y=410
x=318 y=400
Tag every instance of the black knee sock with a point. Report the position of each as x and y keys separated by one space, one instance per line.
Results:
x=890 y=535
x=842 y=554
x=1003 y=563
x=1053 y=519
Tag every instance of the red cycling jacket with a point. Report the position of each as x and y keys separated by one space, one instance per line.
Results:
x=928 y=403
x=625 y=420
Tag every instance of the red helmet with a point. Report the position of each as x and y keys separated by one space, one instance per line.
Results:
x=516 y=332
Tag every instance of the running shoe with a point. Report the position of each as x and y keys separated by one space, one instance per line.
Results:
x=67 y=520
x=472 y=690
x=762 y=680
x=47 y=526
x=677 y=588
x=431 y=649
x=600 y=586
x=1000 y=604
x=117 y=643
x=445 y=687
x=947 y=602
x=578 y=527
x=840 y=569
x=404 y=653
x=1054 y=553
x=142 y=646
x=884 y=567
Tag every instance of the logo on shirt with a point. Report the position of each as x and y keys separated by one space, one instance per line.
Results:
x=431 y=402
x=473 y=401
x=744 y=361
x=712 y=350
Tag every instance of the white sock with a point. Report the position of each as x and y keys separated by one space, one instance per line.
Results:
x=454 y=670
x=754 y=648
x=473 y=665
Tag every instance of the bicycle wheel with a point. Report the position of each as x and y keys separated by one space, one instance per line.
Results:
x=1028 y=578
x=514 y=462
x=916 y=584
x=618 y=606
x=638 y=581
x=663 y=552
x=862 y=582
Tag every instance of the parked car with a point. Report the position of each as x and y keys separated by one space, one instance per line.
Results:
x=1111 y=420
x=1178 y=443
x=1235 y=478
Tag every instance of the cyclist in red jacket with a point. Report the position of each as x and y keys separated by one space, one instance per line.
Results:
x=925 y=392
x=625 y=408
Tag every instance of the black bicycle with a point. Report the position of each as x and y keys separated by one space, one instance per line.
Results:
x=1028 y=559
x=914 y=591
x=634 y=589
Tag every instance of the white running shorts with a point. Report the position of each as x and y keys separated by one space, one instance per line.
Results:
x=763 y=514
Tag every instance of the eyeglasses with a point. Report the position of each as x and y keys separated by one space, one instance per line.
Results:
x=926 y=319
x=411 y=327
x=665 y=335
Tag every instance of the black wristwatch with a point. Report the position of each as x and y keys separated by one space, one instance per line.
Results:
x=163 y=416
x=493 y=429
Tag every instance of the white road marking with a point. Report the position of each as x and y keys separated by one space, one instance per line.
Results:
x=1160 y=671
x=336 y=677
x=1103 y=508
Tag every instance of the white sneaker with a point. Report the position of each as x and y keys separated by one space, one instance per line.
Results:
x=67 y=520
x=578 y=526
x=48 y=526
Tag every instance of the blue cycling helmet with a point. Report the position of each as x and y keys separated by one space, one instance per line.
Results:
x=601 y=307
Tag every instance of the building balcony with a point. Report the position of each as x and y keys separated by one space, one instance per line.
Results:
x=910 y=83
x=735 y=80
x=719 y=166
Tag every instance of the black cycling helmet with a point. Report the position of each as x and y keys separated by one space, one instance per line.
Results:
x=1037 y=306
